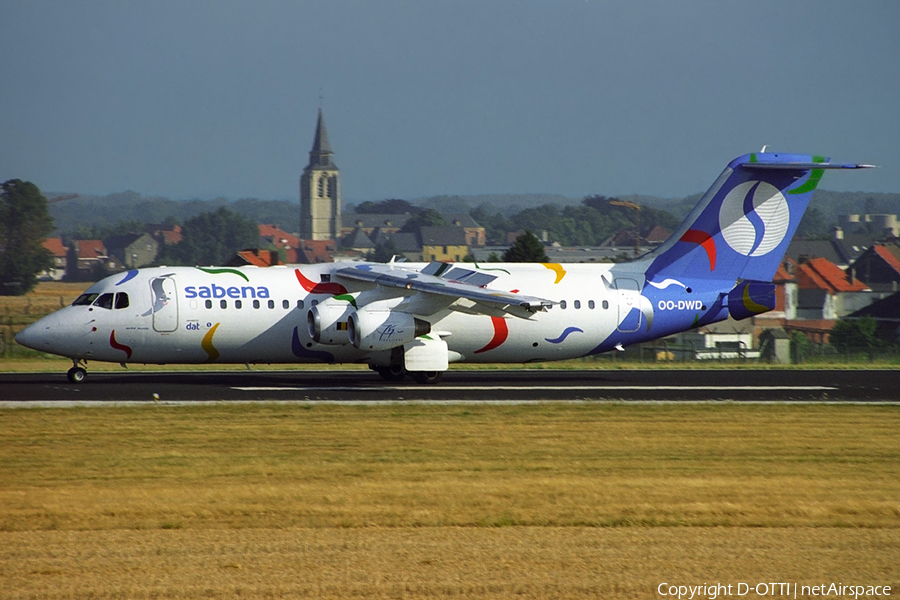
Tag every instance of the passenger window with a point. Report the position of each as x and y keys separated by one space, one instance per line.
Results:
x=105 y=301
x=591 y=304
x=238 y=304
x=85 y=299
x=271 y=304
x=562 y=304
x=577 y=304
x=223 y=303
x=605 y=305
x=285 y=304
x=209 y=304
x=121 y=300
x=256 y=304
x=299 y=303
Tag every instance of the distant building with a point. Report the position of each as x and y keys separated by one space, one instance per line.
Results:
x=374 y=224
x=320 y=191
x=312 y=252
x=275 y=236
x=810 y=297
x=166 y=235
x=886 y=313
x=60 y=257
x=657 y=236
x=88 y=260
x=254 y=257
x=825 y=291
x=880 y=225
x=408 y=245
x=443 y=243
x=133 y=250
x=475 y=233
x=308 y=252
x=727 y=339
x=369 y=222
x=842 y=249
x=359 y=241
x=879 y=268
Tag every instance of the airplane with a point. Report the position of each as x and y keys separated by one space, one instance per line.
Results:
x=417 y=318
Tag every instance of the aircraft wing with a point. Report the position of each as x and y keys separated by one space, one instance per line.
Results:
x=443 y=286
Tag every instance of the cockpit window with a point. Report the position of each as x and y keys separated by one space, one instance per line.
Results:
x=121 y=300
x=104 y=301
x=85 y=299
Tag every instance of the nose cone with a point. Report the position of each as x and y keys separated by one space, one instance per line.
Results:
x=39 y=335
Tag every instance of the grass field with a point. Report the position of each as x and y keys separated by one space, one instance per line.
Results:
x=416 y=501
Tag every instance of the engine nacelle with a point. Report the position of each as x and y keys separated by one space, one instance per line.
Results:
x=751 y=298
x=384 y=329
x=327 y=322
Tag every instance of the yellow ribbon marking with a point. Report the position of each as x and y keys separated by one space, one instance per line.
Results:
x=556 y=268
x=206 y=344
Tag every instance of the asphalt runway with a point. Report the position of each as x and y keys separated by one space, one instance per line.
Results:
x=39 y=389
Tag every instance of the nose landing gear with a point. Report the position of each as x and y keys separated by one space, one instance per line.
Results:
x=77 y=374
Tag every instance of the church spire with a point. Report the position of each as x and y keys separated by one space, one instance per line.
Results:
x=320 y=155
x=320 y=191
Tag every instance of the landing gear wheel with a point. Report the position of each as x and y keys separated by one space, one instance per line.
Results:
x=76 y=375
x=392 y=373
x=427 y=377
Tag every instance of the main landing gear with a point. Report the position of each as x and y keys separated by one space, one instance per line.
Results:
x=427 y=377
x=391 y=373
x=77 y=374
x=395 y=373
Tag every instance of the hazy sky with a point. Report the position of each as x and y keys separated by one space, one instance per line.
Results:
x=192 y=99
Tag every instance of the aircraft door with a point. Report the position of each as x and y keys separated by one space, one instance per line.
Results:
x=165 y=304
x=628 y=299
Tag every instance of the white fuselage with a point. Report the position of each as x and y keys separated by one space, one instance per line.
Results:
x=255 y=315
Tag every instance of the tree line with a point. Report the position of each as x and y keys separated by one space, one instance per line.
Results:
x=591 y=223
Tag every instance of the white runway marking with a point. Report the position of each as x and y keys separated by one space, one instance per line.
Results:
x=497 y=388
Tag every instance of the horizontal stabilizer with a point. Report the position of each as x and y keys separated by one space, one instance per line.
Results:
x=802 y=166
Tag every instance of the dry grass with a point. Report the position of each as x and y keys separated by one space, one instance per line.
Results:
x=47 y=297
x=516 y=562
x=414 y=465
x=414 y=501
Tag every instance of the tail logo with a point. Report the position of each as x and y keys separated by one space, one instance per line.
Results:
x=754 y=218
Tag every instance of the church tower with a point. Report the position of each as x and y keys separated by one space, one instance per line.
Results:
x=320 y=191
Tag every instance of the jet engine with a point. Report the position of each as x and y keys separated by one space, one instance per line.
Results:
x=751 y=298
x=327 y=322
x=384 y=329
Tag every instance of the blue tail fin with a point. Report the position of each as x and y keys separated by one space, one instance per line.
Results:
x=742 y=226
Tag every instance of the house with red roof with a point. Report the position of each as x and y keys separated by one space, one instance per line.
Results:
x=879 y=268
x=821 y=294
x=657 y=236
x=308 y=252
x=277 y=237
x=255 y=257
x=827 y=292
x=88 y=260
x=60 y=258
x=313 y=252
x=165 y=235
x=810 y=296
